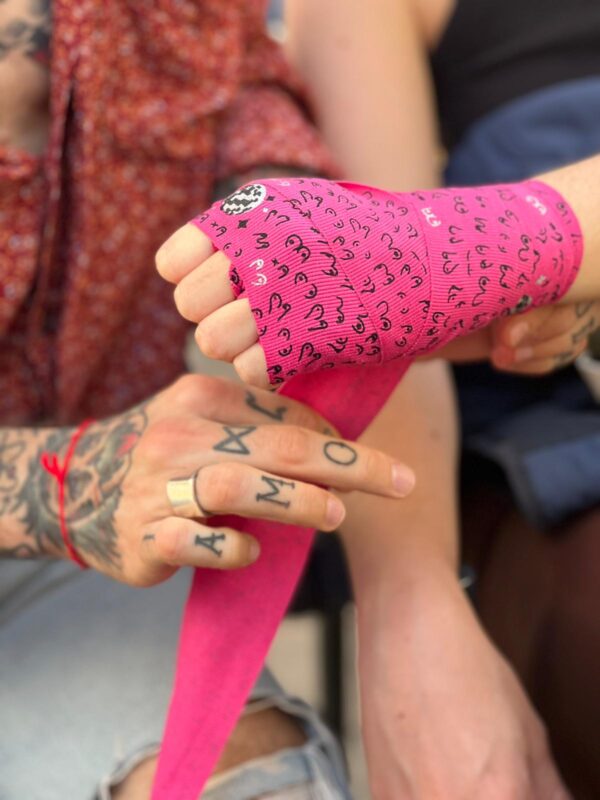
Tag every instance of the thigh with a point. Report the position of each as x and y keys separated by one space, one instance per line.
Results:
x=86 y=668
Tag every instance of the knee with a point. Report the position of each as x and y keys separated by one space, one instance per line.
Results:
x=256 y=735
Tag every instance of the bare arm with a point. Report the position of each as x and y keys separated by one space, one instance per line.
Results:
x=373 y=99
x=374 y=102
x=367 y=70
x=426 y=668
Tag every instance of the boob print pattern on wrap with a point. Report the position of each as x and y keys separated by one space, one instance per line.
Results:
x=340 y=274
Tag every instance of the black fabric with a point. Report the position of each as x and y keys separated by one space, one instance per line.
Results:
x=495 y=51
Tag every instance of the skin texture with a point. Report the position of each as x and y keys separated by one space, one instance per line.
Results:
x=253 y=454
x=24 y=81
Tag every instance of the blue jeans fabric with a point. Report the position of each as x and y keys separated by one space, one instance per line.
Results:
x=86 y=667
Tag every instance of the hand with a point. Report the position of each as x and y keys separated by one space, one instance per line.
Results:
x=536 y=343
x=226 y=329
x=544 y=340
x=254 y=454
x=444 y=717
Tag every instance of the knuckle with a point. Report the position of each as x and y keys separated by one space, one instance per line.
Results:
x=170 y=543
x=372 y=465
x=197 y=391
x=184 y=301
x=210 y=342
x=292 y=444
x=164 y=261
x=219 y=486
x=162 y=438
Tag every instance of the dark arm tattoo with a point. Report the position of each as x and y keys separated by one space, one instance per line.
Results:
x=584 y=332
x=233 y=444
x=93 y=492
x=276 y=488
x=28 y=32
x=276 y=414
x=340 y=453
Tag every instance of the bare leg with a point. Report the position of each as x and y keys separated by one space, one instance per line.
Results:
x=256 y=734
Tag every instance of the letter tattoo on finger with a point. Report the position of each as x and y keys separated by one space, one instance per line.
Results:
x=233 y=443
x=210 y=542
x=340 y=453
x=277 y=413
x=277 y=486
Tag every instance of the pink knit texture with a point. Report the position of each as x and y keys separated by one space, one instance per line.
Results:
x=341 y=274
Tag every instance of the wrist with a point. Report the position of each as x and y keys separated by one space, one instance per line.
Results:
x=403 y=596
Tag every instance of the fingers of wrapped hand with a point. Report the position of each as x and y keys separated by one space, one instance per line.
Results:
x=245 y=491
x=205 y=289
x=533 y=363
x=511 y=331
x=182 y=252
x=228 y=331
x=225 y=401
x=251 y=366
x=174 y=541
x=544 y=324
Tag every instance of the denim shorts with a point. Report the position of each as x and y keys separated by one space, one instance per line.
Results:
x=86 y=667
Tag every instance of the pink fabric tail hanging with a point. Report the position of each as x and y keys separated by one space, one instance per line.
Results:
x=231 y=617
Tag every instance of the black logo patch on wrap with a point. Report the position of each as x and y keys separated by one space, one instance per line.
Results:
x=245 y=199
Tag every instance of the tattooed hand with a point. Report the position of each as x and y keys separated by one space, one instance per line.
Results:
x=252 y=453
x=536 y=343
x=545 y=339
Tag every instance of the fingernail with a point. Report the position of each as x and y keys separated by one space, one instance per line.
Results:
x=523 y=354
x=253 y=550
x=518 y=333
x=335 y=512
x=403 y=479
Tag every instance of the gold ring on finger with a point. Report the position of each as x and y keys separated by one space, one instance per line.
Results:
x=183 y=497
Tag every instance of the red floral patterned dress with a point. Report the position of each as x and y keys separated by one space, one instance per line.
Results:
x=151 y=101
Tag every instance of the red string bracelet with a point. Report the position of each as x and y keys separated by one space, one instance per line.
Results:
x=50 y=463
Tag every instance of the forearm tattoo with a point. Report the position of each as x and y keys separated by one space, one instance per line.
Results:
x=93 y=489
x=25 y=27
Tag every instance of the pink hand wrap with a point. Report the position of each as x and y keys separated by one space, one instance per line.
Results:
x=343 y=274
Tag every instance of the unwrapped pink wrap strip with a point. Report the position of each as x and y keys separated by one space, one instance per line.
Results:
x=231 y=617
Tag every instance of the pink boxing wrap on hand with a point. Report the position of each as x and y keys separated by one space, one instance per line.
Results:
x=341 y=274
x=355 y=276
